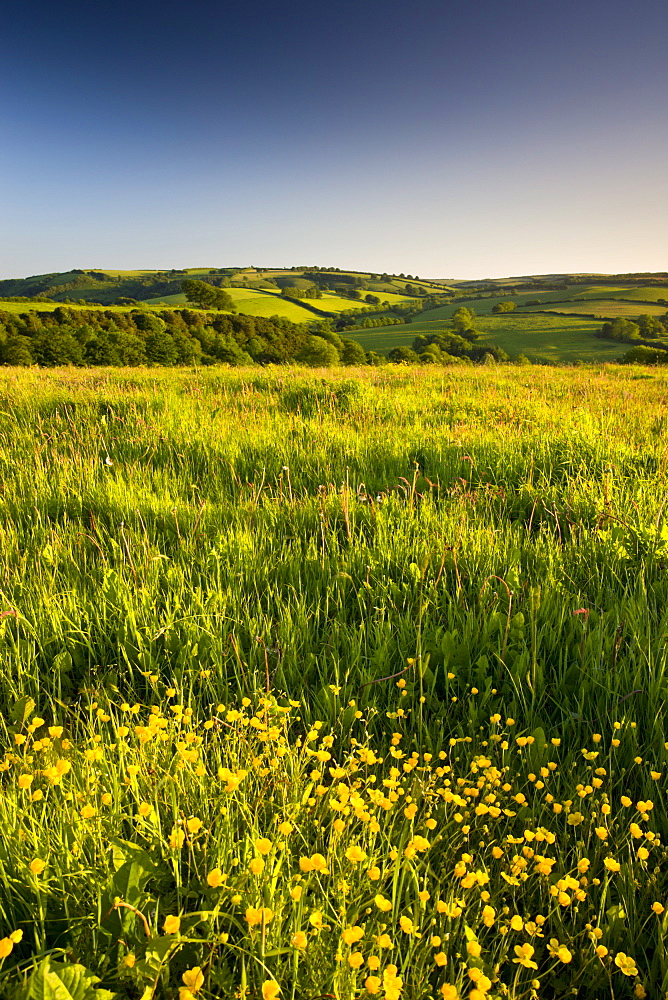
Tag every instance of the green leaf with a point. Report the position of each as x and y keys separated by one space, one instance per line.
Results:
x=57 y=981
x=133 y=869
x=22 y=710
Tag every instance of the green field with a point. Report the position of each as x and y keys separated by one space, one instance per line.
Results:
x=333 y=683
x=6 y=305
x=271 y=303
x=254 y=303
x=544 y=339
x=608 y=308
x=643 y=293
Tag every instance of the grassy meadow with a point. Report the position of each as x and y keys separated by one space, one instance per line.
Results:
x=333 y=684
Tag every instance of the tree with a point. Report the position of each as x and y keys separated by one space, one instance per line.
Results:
x=318 y=353
x=620 y=329
x=464 y=319
x=16 y=351
x=504 y=307
x=204 y=295
x=403 y=355
x=57 y=347
x=331 y=336
x=353 y=353
x=161 y=348
x=650 y=326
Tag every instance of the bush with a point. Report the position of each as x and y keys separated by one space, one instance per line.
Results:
x=645 y=356
x=403 y=356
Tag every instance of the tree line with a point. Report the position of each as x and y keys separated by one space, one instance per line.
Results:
x=111 y=337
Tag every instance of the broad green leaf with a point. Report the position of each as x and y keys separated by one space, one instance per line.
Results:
x=57 y=981
x=22 y=710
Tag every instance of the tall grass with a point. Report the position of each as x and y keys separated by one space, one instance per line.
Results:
x=492 y=540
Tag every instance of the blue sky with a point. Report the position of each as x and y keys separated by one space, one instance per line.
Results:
x=444 y=139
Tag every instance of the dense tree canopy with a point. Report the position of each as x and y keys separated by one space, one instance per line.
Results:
x=170 y=337
x=206 y=296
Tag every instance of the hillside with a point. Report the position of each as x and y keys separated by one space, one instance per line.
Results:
x=550 y=318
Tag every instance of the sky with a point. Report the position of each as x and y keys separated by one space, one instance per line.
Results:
x=440 y=138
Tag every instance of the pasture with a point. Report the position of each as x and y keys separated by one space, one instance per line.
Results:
x=605 y=308
x=542 y=338
x=259 y=302
x=343 y=683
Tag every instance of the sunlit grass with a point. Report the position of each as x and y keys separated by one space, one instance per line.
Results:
x=424 y=612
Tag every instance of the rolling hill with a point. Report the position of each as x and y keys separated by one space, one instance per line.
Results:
x=553 y=318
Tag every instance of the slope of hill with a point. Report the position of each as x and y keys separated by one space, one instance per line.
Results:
x=551 y=318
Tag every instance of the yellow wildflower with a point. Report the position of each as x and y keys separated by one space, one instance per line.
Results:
x=355 y=853
x=449 y=992
x=524 y=954
x=352 y=934
x=193 y=979
x=258 y=916
x=559 y=951
x=215 y=878
x=626 y=964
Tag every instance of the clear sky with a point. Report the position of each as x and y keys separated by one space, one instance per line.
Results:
x=443 y=138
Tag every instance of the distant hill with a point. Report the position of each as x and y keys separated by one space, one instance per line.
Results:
x=106 y=287
x=549 y=317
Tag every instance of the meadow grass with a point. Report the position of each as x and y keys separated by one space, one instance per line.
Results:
x=341 y=683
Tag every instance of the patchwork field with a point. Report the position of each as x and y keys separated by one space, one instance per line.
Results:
x=542 y=338
x=338 y=684
x=562 y=337
x=606 y=308
x=271 y=303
